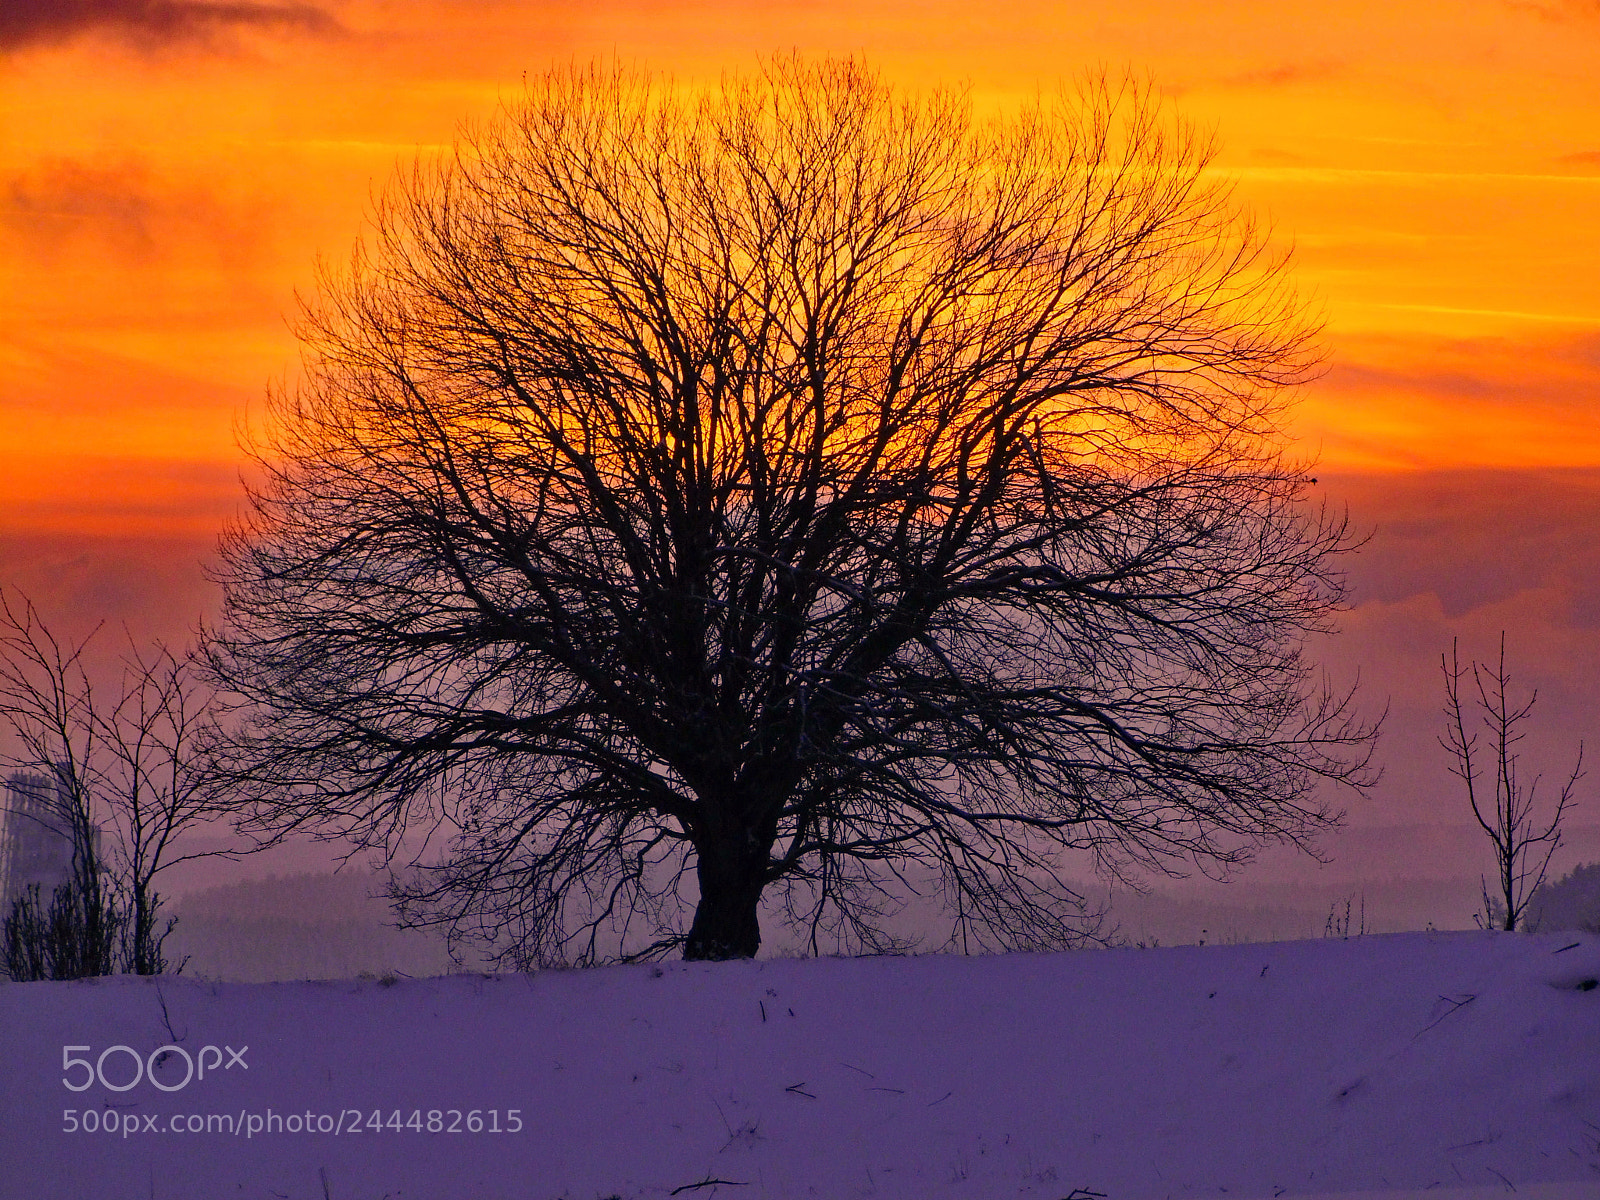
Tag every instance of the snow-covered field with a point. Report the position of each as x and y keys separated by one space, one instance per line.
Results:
x=1460 y=1064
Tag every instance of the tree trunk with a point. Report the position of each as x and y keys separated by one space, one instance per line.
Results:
x=726 y=924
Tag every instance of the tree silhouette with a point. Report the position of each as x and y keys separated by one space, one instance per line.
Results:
x=1524 y=841
x=125 y=761
x=796 y=490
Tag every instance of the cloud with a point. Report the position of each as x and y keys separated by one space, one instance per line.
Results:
x=1283 y=75
x=1396 y=648
x=1560 y=373
x=63 y=197
x=1557 y=10
x=123 y=212
x=1270 y=155
x=1473 y=539
x=1413 y=400
x=153 y=585
x=1587 y=158
x=1468 y=554
x=25 y=23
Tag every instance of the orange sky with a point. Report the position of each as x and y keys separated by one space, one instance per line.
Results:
x=169 y=173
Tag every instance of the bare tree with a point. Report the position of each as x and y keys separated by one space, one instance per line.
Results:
x=132 y=762
x=156 y=780
x=799 y=491
x=1523 y=842
x=76 y=931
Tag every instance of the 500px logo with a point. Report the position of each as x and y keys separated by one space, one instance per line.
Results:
x=195 y=1067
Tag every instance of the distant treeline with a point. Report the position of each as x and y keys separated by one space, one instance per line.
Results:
x=300 y=927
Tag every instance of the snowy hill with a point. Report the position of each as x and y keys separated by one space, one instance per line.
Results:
x=1460 y=1065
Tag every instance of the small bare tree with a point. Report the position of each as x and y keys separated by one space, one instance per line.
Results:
x=131 y=762
x=801 y=492
x=1523 y=840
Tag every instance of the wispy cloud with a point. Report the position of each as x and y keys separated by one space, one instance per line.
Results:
x=1361 y=175
x=123 y=212
x=63 y=198
x=1269 y=154
x=1415 y=400
x=1284 y=75
x=25 y=23
x=1558 y=10
x=1554 y=318
x=1561 y=372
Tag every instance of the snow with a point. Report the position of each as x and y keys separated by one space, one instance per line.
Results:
x=1447 y=1064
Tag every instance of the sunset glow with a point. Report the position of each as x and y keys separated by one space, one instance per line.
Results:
x=168 y=184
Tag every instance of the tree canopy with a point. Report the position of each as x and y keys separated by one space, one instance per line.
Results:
x=790 y=492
